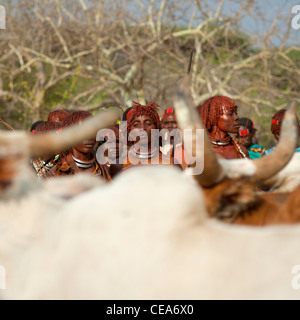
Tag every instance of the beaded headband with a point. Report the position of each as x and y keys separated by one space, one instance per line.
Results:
x=244 y=132
x=168 y=111
x=276 y=122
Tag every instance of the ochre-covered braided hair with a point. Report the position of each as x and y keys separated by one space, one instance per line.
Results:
x=57 y=115
x=47 y=126
x=150 y=109
x=211 y=110
x=277 y=121
x=75 y=117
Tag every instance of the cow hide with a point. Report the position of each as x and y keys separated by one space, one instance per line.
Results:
x=147 y=236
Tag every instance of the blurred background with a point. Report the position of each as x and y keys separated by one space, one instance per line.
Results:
x=96 y=54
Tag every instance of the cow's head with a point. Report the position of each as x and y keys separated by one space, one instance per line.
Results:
x=231 y=185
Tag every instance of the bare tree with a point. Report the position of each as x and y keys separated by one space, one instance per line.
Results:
x=91 y=54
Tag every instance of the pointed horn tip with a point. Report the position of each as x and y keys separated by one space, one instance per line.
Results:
x=290 y=113
x=289 y=126
x=183 y=86
x=292 y=108
x=272 y=163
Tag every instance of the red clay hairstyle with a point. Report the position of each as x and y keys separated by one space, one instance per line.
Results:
x=57 y=115
x=47 y=126
x=75 y=117
x=151 y=110
x=34 y=126
x=211 y=110
x=277 y=120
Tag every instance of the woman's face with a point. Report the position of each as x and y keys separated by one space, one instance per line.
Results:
x=145 y=123
x=229 y=121
x=86 y=147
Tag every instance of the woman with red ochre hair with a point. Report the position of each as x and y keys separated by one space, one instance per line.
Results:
x=276 y=127
x=80 y=158
x=172 y=139
x=58 y=116
x=143 y=141
x=219 y=116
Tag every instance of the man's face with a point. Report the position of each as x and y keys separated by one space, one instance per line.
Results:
x=245 y=139
x=169 y=122
x=229 y=121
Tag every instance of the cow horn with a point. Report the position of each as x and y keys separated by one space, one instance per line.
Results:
x=50 y=143
x=269 y=165
x=189 y=118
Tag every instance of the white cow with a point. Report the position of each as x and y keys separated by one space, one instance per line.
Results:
x=116 y=242
x=144 y=236
x=27 y=208
x=289 y=177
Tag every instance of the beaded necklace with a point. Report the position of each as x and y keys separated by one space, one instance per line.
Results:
x=84 y=164
x=146 y=155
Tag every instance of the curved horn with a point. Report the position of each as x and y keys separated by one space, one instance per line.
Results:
x=188 y=118
x=269 y=165
x=45 y=144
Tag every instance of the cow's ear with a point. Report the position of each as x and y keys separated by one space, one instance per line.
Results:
x=231 y=199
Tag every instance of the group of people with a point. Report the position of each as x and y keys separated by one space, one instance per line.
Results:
x=139 y=139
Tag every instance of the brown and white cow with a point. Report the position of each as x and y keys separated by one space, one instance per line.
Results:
x=123 y=241
x=230 y=186
x=147 y=235
x=288 y=178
